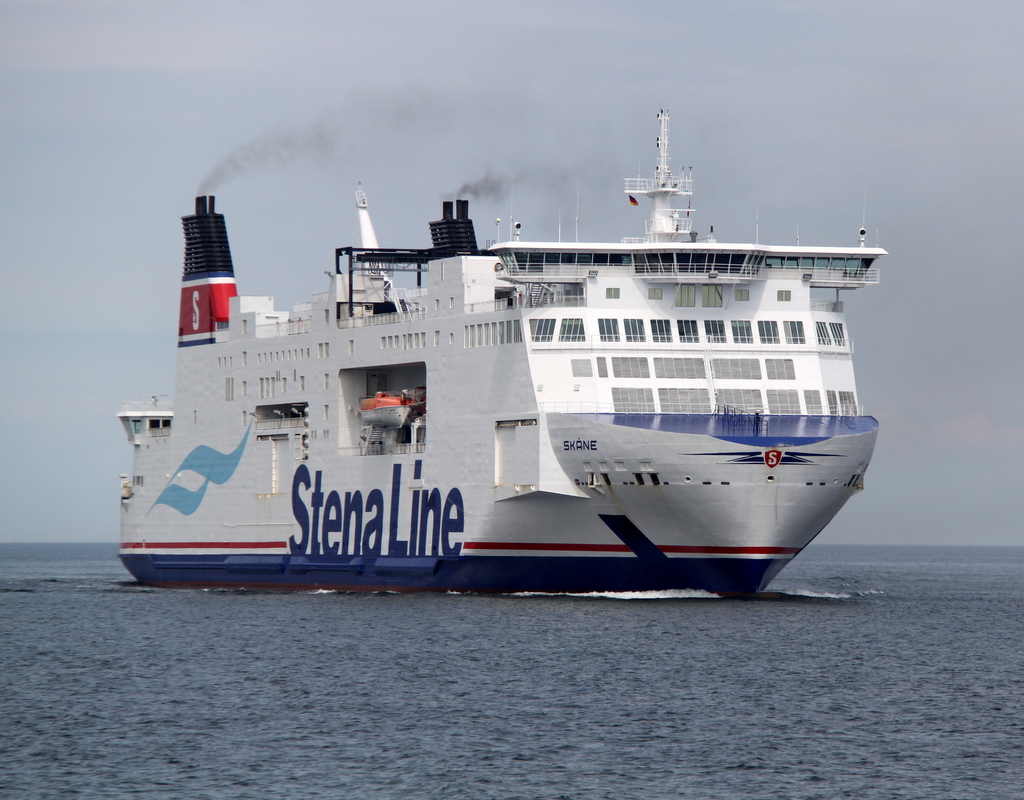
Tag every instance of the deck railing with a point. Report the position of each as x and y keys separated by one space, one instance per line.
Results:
x=285 y=328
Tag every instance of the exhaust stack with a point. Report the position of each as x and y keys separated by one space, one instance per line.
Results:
x=453 y=234
x=208 y=279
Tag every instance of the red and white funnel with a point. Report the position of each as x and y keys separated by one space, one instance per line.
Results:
x=208 y=282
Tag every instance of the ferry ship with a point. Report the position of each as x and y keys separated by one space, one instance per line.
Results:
x=662 y=412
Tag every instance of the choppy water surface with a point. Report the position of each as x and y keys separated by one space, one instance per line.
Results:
x=883 y=673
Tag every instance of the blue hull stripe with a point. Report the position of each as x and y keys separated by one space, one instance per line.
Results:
x=505 y=574
x=785 y=430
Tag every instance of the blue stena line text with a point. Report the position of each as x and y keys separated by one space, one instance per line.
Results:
x=579 y=444
x=354 y=524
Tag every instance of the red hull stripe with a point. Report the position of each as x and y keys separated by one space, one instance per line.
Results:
x=621 y=548
x=201 y=545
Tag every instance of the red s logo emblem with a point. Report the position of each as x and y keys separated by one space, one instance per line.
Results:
x=772 y=457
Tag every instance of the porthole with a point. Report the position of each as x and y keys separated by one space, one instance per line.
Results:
x=725 y=483
x=707 y=483
x=835 y=480
x=770 y=479
x=687 y=479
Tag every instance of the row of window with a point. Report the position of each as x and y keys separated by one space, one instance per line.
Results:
x=688 y=331
x=690 y=260
x=486 y=334
x=745 y=369
x=671 y=400
x=405 y=341
x=711 y=295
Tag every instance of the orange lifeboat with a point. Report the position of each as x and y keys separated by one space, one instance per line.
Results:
x=385 y=410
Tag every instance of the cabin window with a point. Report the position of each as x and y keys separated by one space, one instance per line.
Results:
x=848 y=404
x=611 y=293
x=783 y=401
x=686 y=368
x=738 y=369
x=742 y=294
x=779 y=369
x=630 y=367
x=838 y=336
x=582 y=368
x=635 y=330
x=784 y=295
x=794 y=332
x=742 y=333
x=602 y=367
x=822 y=330
x=661 y=330
x=571 y=331
x=686 y=295
x=833 y=401
x=812 y=399
x=684 y=401
x=711 y=295
x=742 y=399
x=632 y=400
x=327 y=412
x=688 y=331
x=714 y=329
x=608 y=329
x=229 y=388
x=768 y=331
x=654 y=294
x=542 y=330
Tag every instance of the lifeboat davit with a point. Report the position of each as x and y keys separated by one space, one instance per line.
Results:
x=385 y=410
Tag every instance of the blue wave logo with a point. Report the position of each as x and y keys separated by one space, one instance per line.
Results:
x=213 y=465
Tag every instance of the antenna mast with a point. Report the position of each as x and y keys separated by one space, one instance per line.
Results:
x=667 y=224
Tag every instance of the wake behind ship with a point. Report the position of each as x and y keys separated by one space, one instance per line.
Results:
x=664 y=412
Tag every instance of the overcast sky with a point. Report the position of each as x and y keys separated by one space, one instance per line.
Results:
x=809 y=116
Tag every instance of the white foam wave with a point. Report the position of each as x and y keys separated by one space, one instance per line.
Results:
x=819 y=595
x=668 y=594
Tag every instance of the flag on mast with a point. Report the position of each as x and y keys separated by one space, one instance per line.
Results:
x=632 y=200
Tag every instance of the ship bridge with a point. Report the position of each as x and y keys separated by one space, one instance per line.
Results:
x=821 y=267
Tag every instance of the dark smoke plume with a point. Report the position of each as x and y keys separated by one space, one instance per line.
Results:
x=487 y=187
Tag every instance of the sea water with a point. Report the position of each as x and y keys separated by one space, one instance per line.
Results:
x=869 y=672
